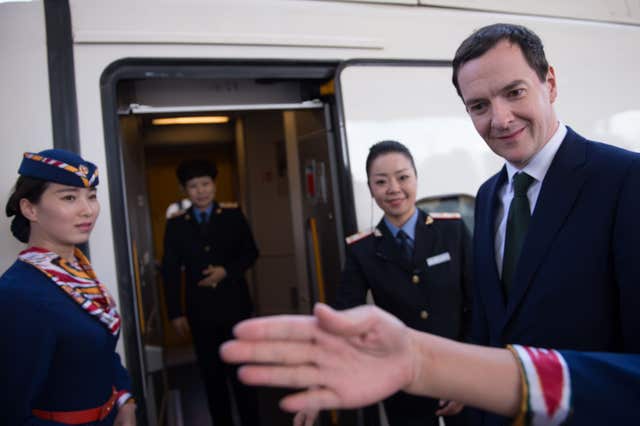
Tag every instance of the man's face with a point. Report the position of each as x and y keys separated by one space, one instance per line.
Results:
x=510 y=107
x=201 y=191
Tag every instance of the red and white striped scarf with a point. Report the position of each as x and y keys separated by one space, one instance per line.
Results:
x=79 y=281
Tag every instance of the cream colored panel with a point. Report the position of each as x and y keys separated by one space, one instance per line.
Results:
x=25 y=111
x=624 y=11
x=237 y=22
x=417 y=106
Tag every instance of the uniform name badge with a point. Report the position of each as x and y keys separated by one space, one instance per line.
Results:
x=438 y=259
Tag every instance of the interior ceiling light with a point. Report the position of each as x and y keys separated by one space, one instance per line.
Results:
x=204 y=119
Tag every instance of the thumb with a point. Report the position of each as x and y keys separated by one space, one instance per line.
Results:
x=351 y=322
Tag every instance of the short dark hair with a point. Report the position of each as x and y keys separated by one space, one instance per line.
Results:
x=387 y=147
x=31 y=189
x=482 y=40
x=190 y=169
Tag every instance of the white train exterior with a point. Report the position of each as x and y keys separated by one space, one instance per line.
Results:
x=84 y=74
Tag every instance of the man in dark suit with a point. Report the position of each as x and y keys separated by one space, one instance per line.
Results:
x=556 y=242
x=213 y=243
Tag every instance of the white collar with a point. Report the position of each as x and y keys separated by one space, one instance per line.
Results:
x=541 y=161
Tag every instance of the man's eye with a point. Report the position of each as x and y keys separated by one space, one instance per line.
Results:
x=477 y=107
x=516 y=93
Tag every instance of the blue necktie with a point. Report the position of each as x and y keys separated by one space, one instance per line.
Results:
x=405 y=245
x=203 y=221
x=517 y=225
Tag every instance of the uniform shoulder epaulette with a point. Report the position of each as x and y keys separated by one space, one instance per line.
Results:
x=441 y=216
x=228 y=205
x=362 y=234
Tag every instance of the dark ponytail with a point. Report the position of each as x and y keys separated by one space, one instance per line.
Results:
x=31 y=189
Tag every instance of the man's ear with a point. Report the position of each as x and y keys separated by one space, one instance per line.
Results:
x=552 y=84
x=28 y=210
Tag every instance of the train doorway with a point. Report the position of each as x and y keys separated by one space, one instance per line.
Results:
x=276 y=157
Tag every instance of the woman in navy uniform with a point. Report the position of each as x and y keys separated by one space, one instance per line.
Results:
x=417 y=267
x=213 y=243
x=58 y=323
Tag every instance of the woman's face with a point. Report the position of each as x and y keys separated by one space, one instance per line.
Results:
x=64 y=216
x=201 y=191
x=393 y=184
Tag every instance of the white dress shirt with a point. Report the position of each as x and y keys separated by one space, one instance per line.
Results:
x=536 y=168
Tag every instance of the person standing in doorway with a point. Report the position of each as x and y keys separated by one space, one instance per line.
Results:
x=214 y=244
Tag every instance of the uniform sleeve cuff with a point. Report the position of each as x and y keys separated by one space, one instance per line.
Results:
x=123 y=398
x=546 y=390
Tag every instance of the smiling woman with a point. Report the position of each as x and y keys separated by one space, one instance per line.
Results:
x=416 y=266
x=58 y=323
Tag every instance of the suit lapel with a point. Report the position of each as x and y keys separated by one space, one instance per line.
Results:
x=560 y=188
x=485 y=257
x=425 y=241
x=387 y=248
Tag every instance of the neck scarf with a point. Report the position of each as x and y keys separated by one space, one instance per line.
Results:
x=78 y=280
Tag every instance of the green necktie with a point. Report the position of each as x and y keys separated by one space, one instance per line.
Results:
x=517 y=224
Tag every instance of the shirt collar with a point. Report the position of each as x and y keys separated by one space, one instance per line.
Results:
x=541 y=161
x=208 y=210
x=409 y=226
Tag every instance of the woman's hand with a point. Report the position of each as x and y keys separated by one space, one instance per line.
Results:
x=126 y=415
x=212 y=276
x=305 y=418
x=181 y=325
x=449 y=408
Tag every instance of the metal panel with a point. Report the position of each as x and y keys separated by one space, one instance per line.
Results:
x=412 y=102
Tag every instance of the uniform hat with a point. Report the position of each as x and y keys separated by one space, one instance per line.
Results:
x=60 y=166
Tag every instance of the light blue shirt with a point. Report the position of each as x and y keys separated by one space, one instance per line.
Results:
x=198 y=212
x=409 y=227
x=537 y=168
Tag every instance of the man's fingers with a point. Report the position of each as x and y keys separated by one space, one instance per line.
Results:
x=311 y=400
x=268 y=352
x=280 y=327
x=299 y=376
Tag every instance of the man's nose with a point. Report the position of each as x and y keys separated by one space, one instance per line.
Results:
x=501 y=115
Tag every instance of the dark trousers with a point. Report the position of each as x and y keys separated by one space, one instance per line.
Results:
x=207 y=338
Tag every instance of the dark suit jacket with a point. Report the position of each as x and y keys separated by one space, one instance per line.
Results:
x=576 y=285
x=225 y=241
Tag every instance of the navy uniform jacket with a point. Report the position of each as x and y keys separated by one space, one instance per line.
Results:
x=53 y=356
x=226 y=241
x=576 y=285
x=432 y=293
x=436 y=298
x=605 y=388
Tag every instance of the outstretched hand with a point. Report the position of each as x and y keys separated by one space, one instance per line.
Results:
x=342 y=359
